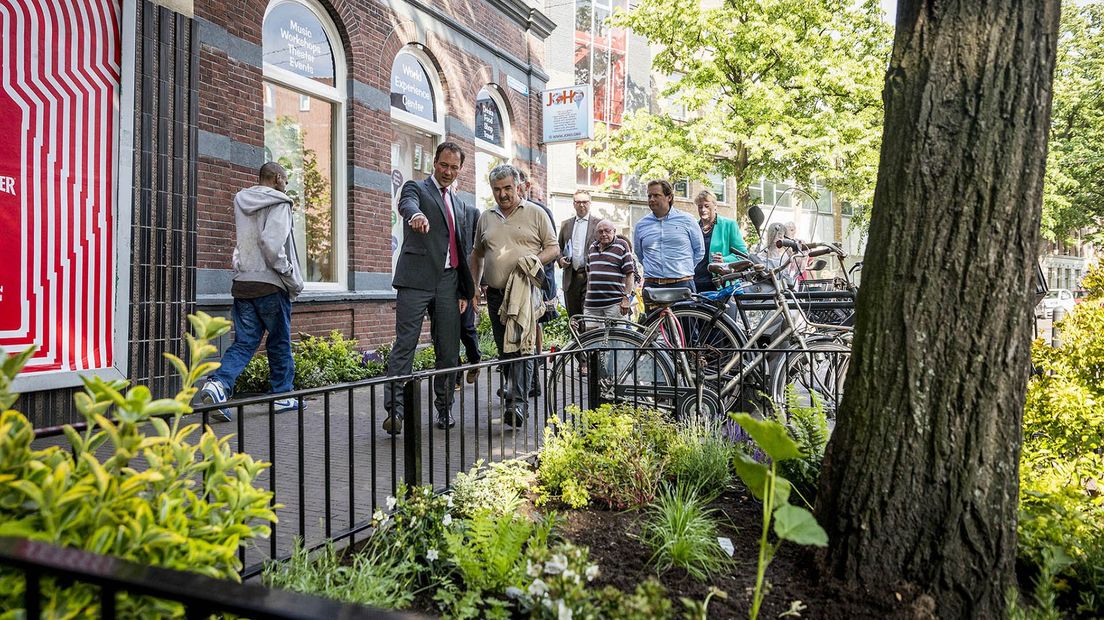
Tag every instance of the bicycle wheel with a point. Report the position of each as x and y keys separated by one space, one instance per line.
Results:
x=626 y=373
x=812 y=377
x=717 y=338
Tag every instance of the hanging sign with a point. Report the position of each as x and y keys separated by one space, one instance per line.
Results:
x=568 y=114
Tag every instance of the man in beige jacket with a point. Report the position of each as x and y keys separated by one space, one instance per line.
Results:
x=515 y=235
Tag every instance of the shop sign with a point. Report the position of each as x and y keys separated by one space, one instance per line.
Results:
x=568 y=114
x=488 y=121
x=410 y=88
x=295 y=40
x=58 y=179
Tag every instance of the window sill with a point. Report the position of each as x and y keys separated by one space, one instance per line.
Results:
x=307 y=297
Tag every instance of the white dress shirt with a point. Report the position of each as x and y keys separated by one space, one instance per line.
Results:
x=578 y=242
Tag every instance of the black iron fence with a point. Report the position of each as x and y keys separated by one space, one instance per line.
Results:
x=201 y=596
x=334 y=464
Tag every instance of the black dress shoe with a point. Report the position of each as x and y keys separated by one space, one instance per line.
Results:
x=513 y=417
x=393 y=424
x=444 y=420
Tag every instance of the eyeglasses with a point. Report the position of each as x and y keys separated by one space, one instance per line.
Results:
x=581 y=203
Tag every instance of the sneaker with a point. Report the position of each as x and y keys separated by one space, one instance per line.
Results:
x=513 y=417
x=444 y=420
x=214 y=393
x=393 y=424
x=286 y=404
x=472 y=375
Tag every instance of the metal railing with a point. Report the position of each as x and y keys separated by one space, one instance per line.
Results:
x=201 y=596
x=333 y=464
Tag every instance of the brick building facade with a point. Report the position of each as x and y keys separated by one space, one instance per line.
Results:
x=467 y=50
x=351 y=95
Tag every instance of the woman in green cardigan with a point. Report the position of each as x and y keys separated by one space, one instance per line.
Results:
x=722 y=238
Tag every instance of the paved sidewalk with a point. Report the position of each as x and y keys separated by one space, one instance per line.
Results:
x=349 y=465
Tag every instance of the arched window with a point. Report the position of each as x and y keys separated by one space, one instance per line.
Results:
x=417 y=126
x=304 y=113
x=492 y=141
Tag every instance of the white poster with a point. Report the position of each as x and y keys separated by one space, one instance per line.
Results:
x=568 y=114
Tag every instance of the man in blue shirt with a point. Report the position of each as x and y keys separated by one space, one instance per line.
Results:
x=668 y=242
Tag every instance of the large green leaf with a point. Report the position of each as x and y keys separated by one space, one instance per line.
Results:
x=755 y=476
x=771 y=436
x=798 y=525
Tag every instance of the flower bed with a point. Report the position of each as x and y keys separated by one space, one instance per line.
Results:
x=660 y=529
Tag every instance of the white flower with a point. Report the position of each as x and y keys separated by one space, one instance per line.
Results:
x=556 y=565
x=447 y=520
x=377 y=515
x=570 y=574
x=564 y=612
x=449 y=502
x=391 y=502
x=533 y=570
x=431 y=555
x=591 y=572
x=538 y=588
x=514 y=593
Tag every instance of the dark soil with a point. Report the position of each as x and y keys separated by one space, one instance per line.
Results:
x=792 y=576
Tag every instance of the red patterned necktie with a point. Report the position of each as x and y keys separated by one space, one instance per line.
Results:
x=454 y=255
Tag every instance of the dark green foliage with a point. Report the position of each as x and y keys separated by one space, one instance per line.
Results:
x=318 y=361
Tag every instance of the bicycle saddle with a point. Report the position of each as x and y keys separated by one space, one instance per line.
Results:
x=665 y=296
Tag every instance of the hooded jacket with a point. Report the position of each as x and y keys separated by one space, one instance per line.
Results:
x=266 y=247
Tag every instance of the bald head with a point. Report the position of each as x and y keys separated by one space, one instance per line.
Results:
x=273 y=175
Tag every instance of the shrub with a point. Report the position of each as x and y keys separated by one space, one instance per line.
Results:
x=375 y=579
x=1062 y=463
x=497 y=488
x=318 y=361
x=613 y=455
x=681 y=531
x=791 y=523
x=808 y=426
x=157 y=499
x=700 y=458
x=489 y=553
x=557 y=332
x=414 y=529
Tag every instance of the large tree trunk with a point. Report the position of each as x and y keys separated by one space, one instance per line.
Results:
x=919 y=487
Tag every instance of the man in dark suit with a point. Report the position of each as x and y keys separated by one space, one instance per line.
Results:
x=469 y=334
x=432 y=274
x=576 y=236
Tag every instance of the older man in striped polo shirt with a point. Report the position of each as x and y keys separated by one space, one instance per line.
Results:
x=609 y=274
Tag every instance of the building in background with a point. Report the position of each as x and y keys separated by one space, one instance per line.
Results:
x=618 y=65
x=1066 y=262
x=353 y=97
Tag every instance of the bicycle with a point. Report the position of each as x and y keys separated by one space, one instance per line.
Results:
x=757 y=375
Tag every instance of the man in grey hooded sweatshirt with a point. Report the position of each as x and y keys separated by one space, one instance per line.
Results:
x=267 y=278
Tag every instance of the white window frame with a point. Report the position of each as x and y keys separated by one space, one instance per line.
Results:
x=336 y=96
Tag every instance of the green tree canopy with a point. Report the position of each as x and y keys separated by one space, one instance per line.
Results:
x=778 y=88
x=1073 y=195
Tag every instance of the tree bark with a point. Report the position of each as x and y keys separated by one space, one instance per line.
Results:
x=919 y=486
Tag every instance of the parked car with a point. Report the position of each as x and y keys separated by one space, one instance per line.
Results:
x=1079 y=295
x=1055 y=298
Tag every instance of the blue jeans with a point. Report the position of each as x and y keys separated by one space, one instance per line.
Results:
x=252 y=318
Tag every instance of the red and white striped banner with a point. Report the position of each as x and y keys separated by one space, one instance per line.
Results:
x=59 y=110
